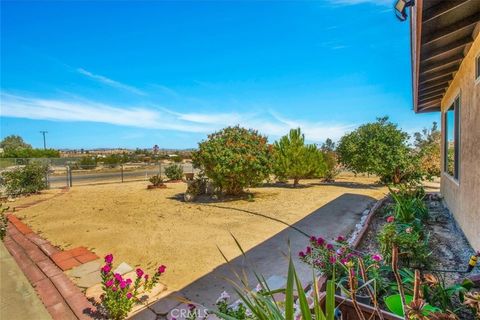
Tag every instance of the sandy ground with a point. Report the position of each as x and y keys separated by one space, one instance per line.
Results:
x=149 y=227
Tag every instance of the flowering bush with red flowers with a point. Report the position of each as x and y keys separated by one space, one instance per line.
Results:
x=121 y=294
x=332 y=257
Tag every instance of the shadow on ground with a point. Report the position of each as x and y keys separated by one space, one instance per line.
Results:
x=269 y=258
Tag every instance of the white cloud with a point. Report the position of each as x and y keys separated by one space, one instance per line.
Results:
x=269 y=123
x=110 y=82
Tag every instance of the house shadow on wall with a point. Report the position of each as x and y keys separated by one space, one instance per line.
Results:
x=270 y=257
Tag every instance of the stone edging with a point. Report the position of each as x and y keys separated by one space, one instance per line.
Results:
x=36 y=258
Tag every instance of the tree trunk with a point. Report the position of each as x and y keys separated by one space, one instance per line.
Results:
x=295 y=182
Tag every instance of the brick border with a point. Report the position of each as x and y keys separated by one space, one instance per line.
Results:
x=40 y=263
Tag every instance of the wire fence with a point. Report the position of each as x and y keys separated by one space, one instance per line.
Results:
x=66 y=172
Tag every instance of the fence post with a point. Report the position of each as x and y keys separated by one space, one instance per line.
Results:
x=70 y=175
x=67 y=176
x=121 y=169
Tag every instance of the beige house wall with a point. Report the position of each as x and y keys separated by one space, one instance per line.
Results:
x=463 y=196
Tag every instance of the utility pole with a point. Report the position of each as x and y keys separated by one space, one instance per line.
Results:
x=44 y=141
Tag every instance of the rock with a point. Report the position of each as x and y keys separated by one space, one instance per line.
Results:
x=123 y=268
x=84 y=269
x=188 y=197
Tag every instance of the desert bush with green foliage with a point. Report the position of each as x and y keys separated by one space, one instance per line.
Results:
x=174 y=172
x=3 y=221
x=87 y=163
x=156 y=180
x=27 y=179
x=234 y=158
x=293 y=159
x=380 y=148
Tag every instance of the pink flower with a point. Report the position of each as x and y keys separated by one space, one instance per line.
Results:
x=191 y=307
x=301 y=254
x=123 y=284
x=313 y=239
x=109 y=258
x=340 y=239
x=390 y=219
x=329 y=246
x=106 y=269
x=109 y=283
x=118 y=277
x=128 y=281
x=320 y=241
x=139 y=272
x=129 y=296
x=377 y=257
x=146 y=277
x=114 y=289
x=333 y=259
x=344 y=260
x=308 y=250
x=161 y=269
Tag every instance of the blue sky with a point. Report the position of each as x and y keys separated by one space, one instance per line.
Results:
x=121 y=74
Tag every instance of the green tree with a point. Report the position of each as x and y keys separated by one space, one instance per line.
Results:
x=234 y=158
x=14 y=142
x=330 y=157
x=428 y=144
x=293 y=159
x=380 y=148
x=15 y=147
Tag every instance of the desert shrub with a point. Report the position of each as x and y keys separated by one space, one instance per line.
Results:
x=234 y=159
x=197 y=186
x=174 y=172
x=113 y=160
x=87 y=163
x=3 y=221
x=411 y=243
x=293 y=159
x=30 y=178
x=156 y=180
x=380 y=148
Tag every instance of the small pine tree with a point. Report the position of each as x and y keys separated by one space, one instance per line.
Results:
x=293 y=159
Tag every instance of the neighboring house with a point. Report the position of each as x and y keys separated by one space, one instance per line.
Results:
x=446 y=78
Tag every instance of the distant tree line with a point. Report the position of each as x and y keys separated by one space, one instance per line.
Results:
x=15 y=147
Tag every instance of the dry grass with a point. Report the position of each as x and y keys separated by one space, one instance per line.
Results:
x=147 y=227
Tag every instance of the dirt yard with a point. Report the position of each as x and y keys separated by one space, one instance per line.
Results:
x=148 y=227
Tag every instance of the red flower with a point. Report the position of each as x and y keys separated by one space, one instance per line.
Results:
x=109 y=258
x=161 y=269
x=390 y=219
x=139 y=272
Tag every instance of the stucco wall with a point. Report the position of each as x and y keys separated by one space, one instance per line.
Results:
x=463 y=197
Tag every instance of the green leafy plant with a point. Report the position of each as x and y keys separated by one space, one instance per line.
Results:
x=234 y=159
x=174 y=172
x=3 y=221
x=411 y=243
x=293 y=159
x=121 y=294
x=156 y=180
x=87 y=163
x=27 y=179
x=409 y=205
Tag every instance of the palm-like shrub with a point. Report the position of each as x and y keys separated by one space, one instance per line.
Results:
x=174 y=172
x=234 y=159
x=156 y=180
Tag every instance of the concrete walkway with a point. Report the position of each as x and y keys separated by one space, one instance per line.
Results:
x=18 y=298
x=269 y=258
